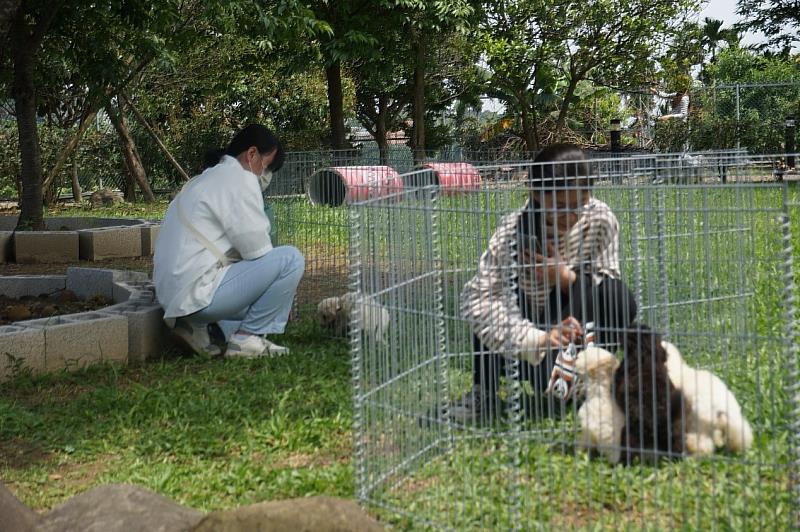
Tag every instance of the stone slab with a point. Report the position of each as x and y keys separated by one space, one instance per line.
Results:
x=21 y=349
x=89 y=282
x=46 y=246
x=31 y=285
x=78 y=340
x=110 y=243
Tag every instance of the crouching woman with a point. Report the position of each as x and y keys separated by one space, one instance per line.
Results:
x=550 y=269
x=214 y=261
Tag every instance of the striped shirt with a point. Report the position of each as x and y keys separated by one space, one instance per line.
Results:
x=489 y=301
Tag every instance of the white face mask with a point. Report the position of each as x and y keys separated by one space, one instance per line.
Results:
x=265 y=179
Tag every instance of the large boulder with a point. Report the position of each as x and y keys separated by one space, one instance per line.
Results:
x=119 y=508
x=15 y=516
x=312 y=514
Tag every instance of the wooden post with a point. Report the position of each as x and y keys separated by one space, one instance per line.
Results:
x=153 y=134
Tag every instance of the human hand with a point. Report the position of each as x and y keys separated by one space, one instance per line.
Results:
x=567 y=331
x=549 y=269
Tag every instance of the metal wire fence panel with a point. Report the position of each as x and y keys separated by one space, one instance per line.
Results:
x=310 y=201
x=709 y=266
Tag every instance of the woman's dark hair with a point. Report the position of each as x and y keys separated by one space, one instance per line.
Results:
x=560 y=165
x=251 y=135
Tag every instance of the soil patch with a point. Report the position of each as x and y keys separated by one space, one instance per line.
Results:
x=46 y=306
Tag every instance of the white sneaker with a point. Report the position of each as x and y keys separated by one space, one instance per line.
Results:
x=196 y=338
x=253 y=346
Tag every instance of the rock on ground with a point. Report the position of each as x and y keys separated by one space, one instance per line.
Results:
x=119 y=508
x=311 y=514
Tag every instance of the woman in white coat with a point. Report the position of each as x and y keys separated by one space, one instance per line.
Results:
x=214 y=261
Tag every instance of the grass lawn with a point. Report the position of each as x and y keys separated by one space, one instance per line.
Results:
x=216 y=434
x=208 y=433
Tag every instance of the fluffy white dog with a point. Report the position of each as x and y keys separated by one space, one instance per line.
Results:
x=713 y=416
x=334 y=314
x=600 y=416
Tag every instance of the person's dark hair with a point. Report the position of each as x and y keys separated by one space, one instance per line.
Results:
x=251 y=135
x=560 y=165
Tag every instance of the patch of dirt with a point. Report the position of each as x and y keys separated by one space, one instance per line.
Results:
x=140 y=264
x=18 y=453
x=46 y=306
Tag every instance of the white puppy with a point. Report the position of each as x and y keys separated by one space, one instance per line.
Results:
x=713 y=416
x=600 y=416
x=334 y=313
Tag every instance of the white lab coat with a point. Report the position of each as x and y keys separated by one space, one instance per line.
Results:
x=225 y=205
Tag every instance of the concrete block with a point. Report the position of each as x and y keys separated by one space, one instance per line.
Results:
x=46 y=246
x=110 y=242
x=149 y=235
x=147 y=332
x=79 y=340
x=139 y=291
x=31 y=285
x=6 y=246
x=88 y=282
x=21 y=349
x=8 y=223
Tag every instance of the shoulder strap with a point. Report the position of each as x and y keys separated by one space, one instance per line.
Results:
x=223 y=260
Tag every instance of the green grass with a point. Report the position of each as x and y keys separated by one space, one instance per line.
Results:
x=208 y=433
x=215 y=434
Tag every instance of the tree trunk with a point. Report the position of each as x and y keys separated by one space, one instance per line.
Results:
x=528 y=132
x=336 y=105
x=381 y=131
x=562 y=113
x=31 y=209
x=136 y=172
x=67 y=150
x=154 y=136
x=77 y=195
x=418 y=101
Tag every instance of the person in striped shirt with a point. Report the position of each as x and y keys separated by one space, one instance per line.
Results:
x=550 y=268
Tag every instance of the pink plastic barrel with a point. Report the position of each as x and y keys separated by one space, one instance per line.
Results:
x=452 y=177
x=347 y=184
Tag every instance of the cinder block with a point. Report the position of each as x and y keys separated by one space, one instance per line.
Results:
x=21 y=348
x=89 y=282
x=78 y=340
x=31 y=285
x=149 y=235
x=8 y=223
x=46 y=246
x=147 y=332
x=110 y=242
x=6 y=246
x=140 y=292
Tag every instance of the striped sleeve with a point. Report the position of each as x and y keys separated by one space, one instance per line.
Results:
x=489 y=301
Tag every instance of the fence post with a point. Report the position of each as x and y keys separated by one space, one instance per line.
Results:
x=738 y=126
x=789 y=147
x=616 y=135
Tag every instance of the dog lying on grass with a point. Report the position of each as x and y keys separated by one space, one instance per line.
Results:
x=713 y=416
x=334 y=314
